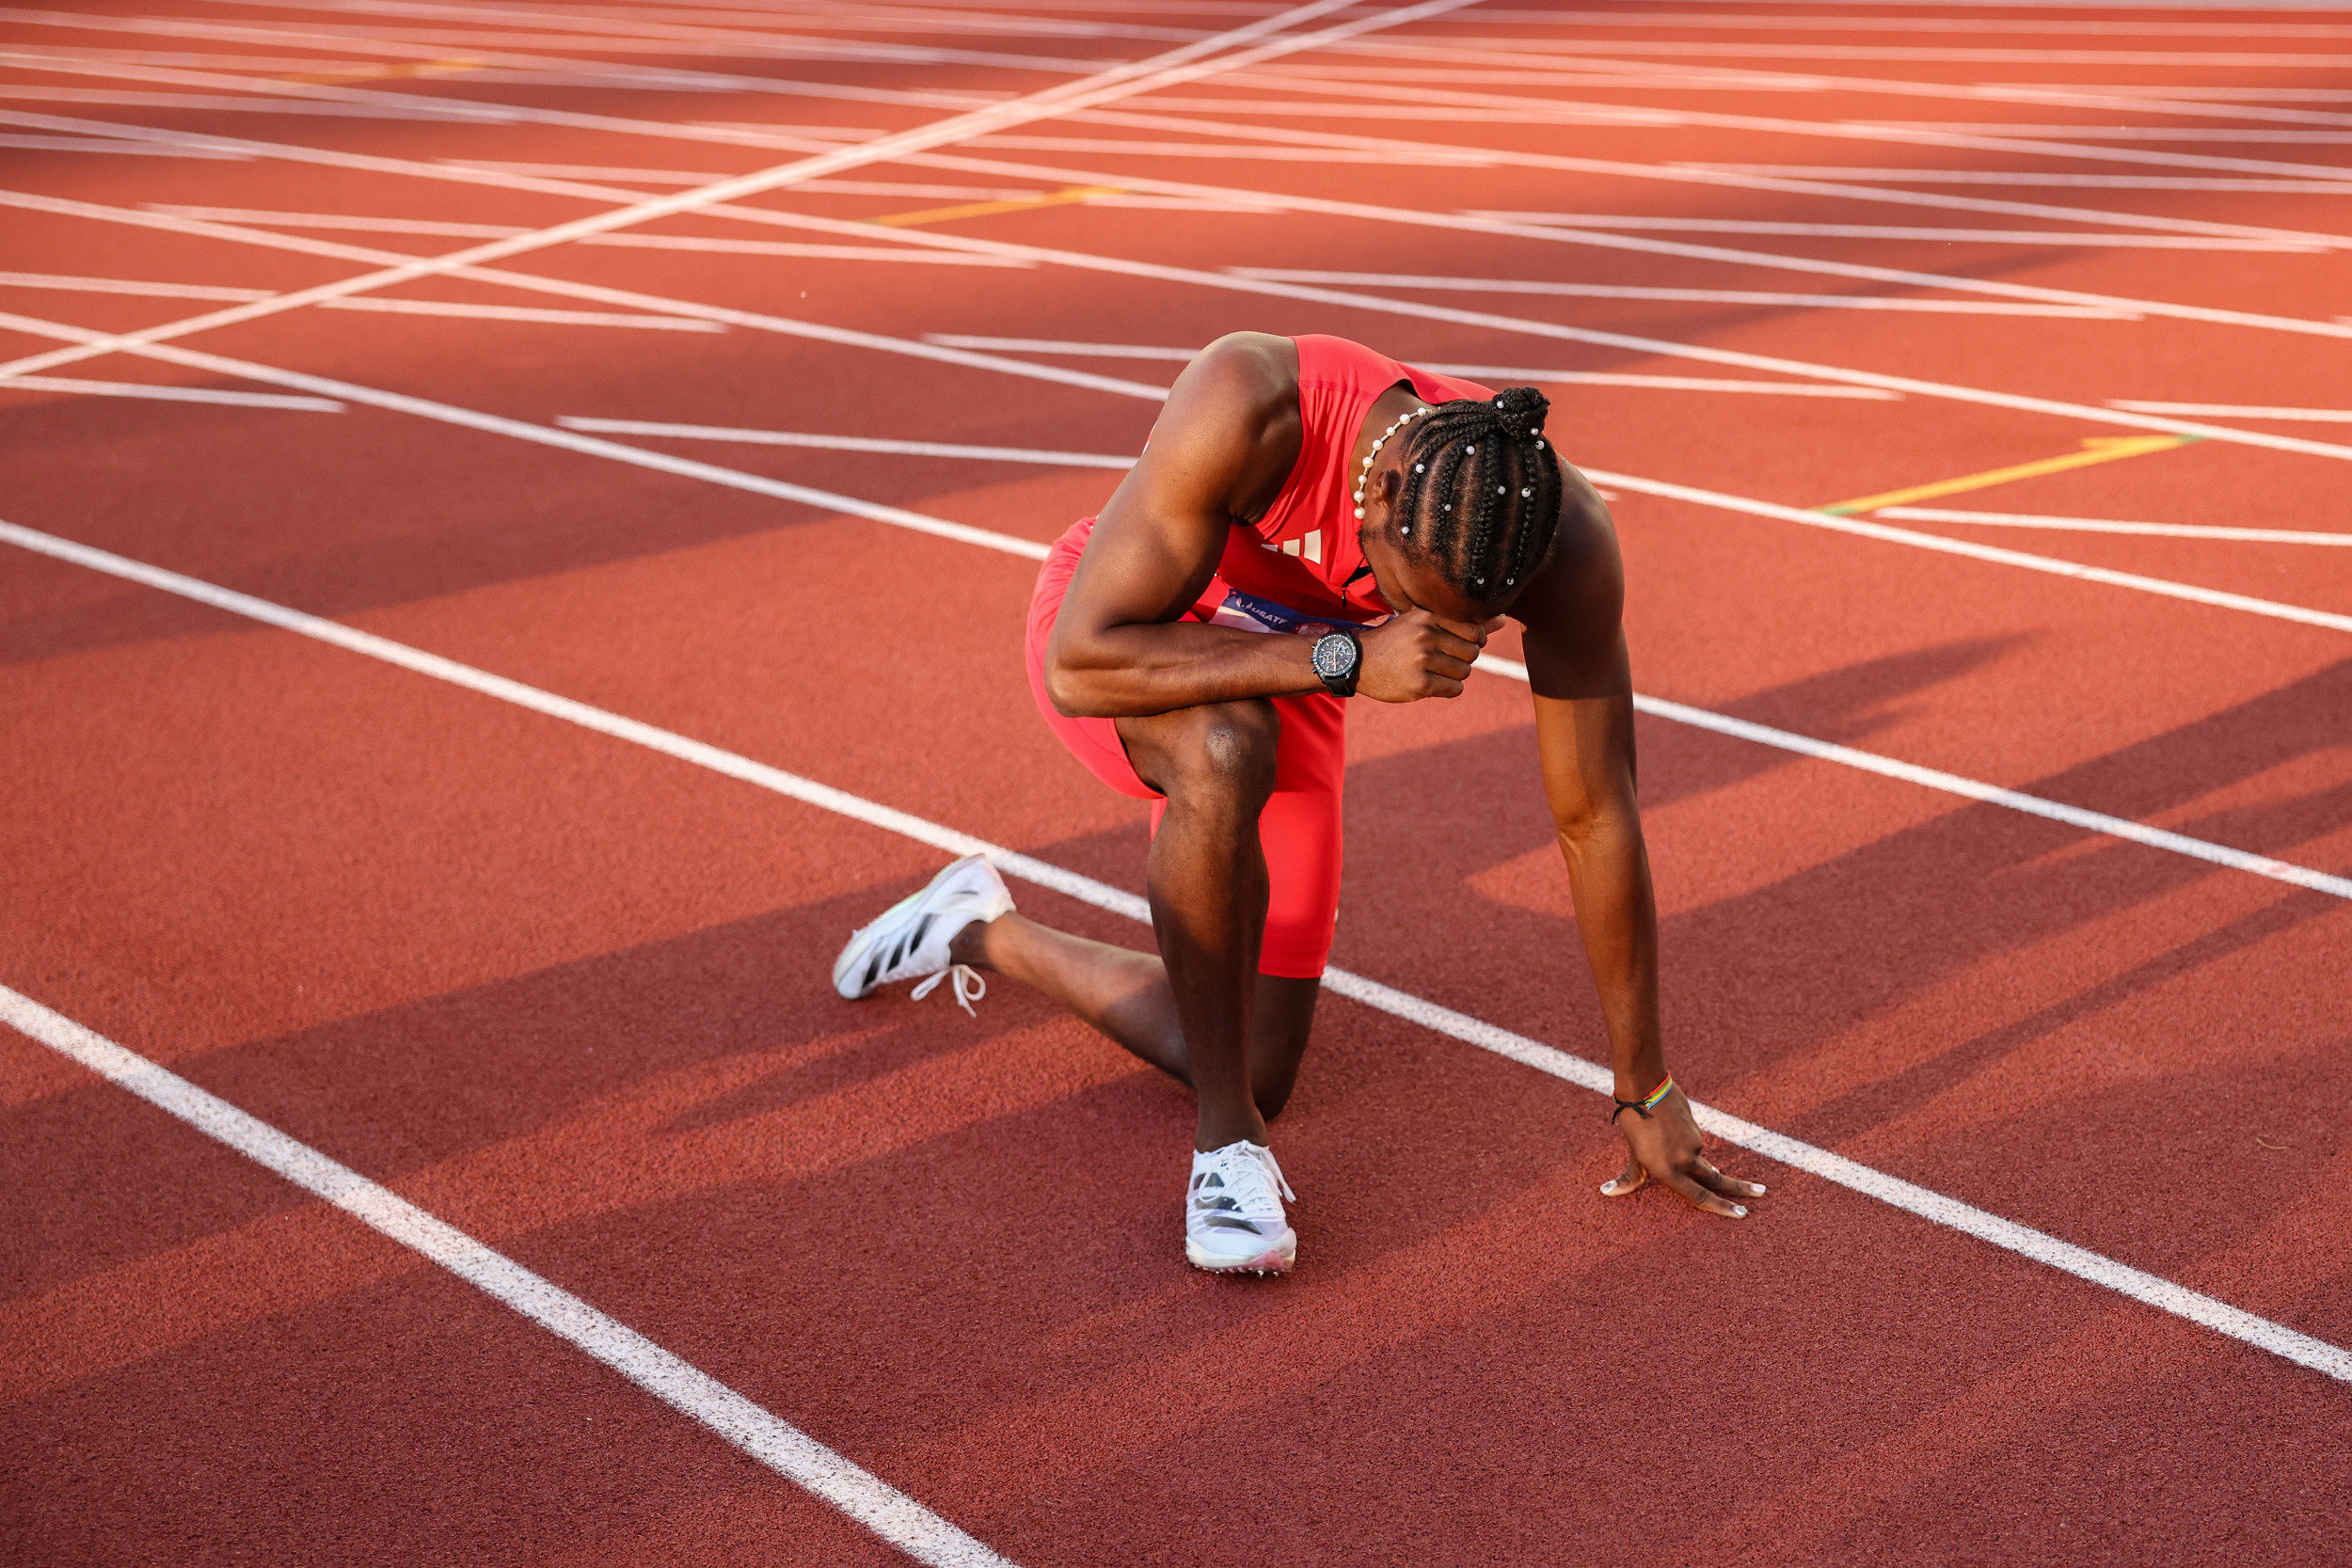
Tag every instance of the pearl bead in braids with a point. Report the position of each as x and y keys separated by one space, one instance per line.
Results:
x=1364 y=475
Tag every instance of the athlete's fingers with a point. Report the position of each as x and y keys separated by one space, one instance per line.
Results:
x=1730 y=1186
x=1469 y=631
x=1441 y=664
x=1441 y=686
x=1699 y=1197
x=1460 y=648
x=1627 y=1181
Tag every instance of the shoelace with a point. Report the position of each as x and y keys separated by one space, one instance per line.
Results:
x=969 y=988
x=1265 y=1157
x=1250 y=1180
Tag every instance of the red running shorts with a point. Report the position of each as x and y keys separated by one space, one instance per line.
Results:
x=1299 y=828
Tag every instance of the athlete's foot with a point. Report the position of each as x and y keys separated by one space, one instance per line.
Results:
x=914 y=937
x=1233 y=1219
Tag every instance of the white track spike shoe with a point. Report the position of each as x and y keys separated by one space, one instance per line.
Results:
x=911 y=938
x=1233 y=1221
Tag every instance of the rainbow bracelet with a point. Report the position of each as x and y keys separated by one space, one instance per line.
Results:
x=1643 y=1106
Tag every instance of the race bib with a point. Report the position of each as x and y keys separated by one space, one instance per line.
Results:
x=1249 y=612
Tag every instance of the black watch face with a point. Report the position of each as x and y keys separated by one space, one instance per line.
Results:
x=1335 y=655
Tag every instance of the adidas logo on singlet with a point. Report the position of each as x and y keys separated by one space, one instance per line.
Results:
x=1310 y=545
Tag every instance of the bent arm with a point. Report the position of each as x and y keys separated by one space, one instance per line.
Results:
x=1106 y=660
x=1118 y=648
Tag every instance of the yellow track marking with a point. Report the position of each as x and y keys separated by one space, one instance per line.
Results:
x=982 y=209
x=2097 y=448
x=385 y=73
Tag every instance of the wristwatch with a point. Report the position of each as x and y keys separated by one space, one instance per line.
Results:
x=1338 y=658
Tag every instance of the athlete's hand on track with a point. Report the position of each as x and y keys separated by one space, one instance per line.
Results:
x=1666 y=1146
x=1418 y=655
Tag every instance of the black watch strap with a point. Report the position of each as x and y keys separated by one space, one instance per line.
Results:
x=1328 y=651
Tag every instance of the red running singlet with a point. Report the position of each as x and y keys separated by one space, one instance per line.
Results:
x=1299 y=567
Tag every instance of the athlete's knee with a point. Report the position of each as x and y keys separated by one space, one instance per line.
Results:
x=1226 y=749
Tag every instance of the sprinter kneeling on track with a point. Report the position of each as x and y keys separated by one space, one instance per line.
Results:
x=1384 y=517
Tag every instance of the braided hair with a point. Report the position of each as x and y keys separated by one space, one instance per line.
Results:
x=1482 y=492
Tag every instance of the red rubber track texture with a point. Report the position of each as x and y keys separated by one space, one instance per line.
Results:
x=570 y=997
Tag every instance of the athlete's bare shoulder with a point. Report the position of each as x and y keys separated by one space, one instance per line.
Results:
x=1232 y=420
x=1575 y=605
x=1252 y=368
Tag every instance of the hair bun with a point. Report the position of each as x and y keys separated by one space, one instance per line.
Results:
x=1521 y=411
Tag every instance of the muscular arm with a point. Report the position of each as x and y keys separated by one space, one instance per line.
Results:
x=1577 y=664
x=1583 y=686
x=1223 y=447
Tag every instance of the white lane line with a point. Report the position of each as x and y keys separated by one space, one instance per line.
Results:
x=358 y=223
x=577 y=74
x=70 y=283
x=922 y=192
x=1469 y=76
x=684 y=1388
x=1383 y=108
x=92 y=144
x=1698 y=296
x=1938 y=542
x=789 y=247
x=568 y=32
x=927 y=20
x=2102 y=525
x=2239 y=411
x=844 y=443
x=1064 y=345
x=562 y=70
x=592 y=171
x=1664 y=383
x=1887 y=231
x=632 y=241
x=1466 y=158
x=2129 y=132
x=1982 y=21
x=1926 y=53
x=1587 y=378
x=519 y=313
x=2022 y=178
x=167 y=394
x=1173 y=66
x=2153 y=1289
x=362 y=106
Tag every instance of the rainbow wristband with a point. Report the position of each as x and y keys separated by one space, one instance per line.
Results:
x=1643 y=1106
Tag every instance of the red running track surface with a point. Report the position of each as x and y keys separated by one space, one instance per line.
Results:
x=568 y=994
